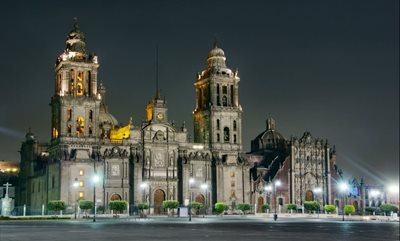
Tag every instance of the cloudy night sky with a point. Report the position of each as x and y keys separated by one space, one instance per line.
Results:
x=328 y=67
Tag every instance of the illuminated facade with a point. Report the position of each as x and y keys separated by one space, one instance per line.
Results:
x=151 y=162
x=154 y=160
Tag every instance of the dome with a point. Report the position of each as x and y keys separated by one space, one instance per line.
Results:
x=105 y=117
x=268 y=139
x=216 y=52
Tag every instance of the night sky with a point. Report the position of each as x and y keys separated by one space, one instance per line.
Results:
x=328 y=67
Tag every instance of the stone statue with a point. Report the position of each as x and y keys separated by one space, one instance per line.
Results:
x=7 y=204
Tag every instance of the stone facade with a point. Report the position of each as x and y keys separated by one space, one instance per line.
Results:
x=155 y=160
x=148 y=163
x=302 y=167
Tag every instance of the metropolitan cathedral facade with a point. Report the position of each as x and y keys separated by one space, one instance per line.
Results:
x=155 y=160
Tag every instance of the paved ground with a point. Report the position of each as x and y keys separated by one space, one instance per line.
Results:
x=235 y=228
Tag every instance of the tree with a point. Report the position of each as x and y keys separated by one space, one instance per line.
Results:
x=264 y=207
x=220 y=207
x=56 y=205
x=370 y=210
x=329 y=208
x=291 y=206
x=196 y=206
x=311 y=205
x=349 y=209
x=170 y=204
x=244 y=207
x=387 y=208
x=143 y=206
x=85 y=205
x=118 y=205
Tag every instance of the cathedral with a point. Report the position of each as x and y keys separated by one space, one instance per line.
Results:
x=156 y=160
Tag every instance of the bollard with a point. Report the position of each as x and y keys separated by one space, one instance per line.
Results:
x=24 y=210
x=42 y=209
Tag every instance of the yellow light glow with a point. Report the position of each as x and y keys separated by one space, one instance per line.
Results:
x=121 y=133
x=149 y=111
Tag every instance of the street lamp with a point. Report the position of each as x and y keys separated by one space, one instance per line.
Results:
x=268 y=191
x=393 y=192
x=96 y=179
x=343 y=188
x=143 y=186
x=276 y=184
x=204 y=187
x=191 y=181
x=75 y=185
x=317 y=191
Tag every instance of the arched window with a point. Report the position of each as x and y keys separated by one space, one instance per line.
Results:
x=69 y=130
x=234 y=125
x=80 y=128
x=226 y=134
x=224 y=101
x=90 y=115
x=234 y=139
x=218 y=126
x=218 y=99
x=218 y=137
x=69 y=114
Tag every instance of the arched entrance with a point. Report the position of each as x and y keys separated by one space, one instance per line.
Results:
x=260 y=203
x=199 y=198
x=115 y=197
x=309 y=196
x=159 y=197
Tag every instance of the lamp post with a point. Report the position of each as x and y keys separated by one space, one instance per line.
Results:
x=75 y=185
x=318 y=191
x=393 y=191
x=191 y=180
x=276 y=184
x=268 y=191
x=343 y=188
x=143 y=186
x=96 y=179
x=204 y=187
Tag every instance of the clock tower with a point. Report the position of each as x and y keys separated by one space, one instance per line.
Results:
x=157 y=110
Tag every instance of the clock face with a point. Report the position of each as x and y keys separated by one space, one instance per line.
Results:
x=160 y=116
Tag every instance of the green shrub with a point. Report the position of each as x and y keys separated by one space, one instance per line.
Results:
x=387 y=208
x=170 y=204
x=244 y=207
x=349 y=209
x=264 y=207
x=85 y=204
x=143 y=206
x=370 y=210
x=56 y=205
x=118 y=205
x=220 y=207
x=329 y=208
x=196 y=205
x=291 y=206
x=311 y=205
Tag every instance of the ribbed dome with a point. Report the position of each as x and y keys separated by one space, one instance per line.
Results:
x=268 y=139
x=105 y=117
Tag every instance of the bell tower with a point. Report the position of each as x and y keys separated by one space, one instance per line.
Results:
x=218 y=115
x=75 y=103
